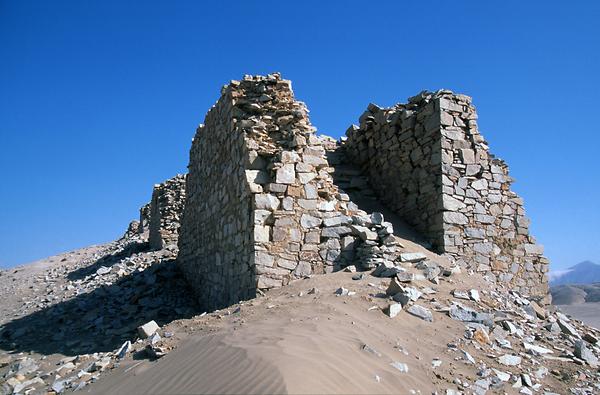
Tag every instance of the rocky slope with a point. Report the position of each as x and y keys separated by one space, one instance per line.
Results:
x=418 y=325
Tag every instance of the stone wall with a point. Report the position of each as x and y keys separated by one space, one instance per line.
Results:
x=144 y=218
x=428 y=163
x=399 y=150
x=166 y=208
x=261 y=207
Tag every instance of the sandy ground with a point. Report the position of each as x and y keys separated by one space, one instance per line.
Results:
x=291 y=340
x=586 y=312
x=287 y=343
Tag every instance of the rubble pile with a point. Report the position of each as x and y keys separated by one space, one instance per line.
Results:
x=510 y=340
x=81 y=319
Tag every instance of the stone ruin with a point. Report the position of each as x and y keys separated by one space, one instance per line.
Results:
x=166 y=208
x=160 y=218
x=428 y=162
x=260 y=183
x=263 y=202
x=144 y=221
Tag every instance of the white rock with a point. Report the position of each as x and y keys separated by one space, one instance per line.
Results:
x=364 y=232
x=412 y=256
x=421 y=312
x=103 y=270
x=536 y=350
x=148 y=329
x=400 y=366
x=468 y=357
x=155 y=338
x=509 y=360
x=503 y=376
x=308 y=221
x=123 y=350
x=394 y=309
x=474 y=295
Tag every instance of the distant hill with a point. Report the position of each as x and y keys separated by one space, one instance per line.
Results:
x=575 y=293
x=576 y=285
x=586 y=272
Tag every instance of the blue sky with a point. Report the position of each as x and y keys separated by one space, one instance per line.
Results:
x=99 y=100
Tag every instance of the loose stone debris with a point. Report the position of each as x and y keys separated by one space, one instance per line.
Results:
x=88 y=307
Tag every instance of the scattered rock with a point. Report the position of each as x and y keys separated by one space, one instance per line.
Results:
x=358 y=276
x=402 y=367
x=124 y=350
x=371 y=350
x=103 y=270
x=567 y=328
x=412 y=257
x=465 y=314
x=394 y=287
x=393 y=309
x=536 y=350
x=468 y=357
x=509 y=360
x=405 y=277
x=148 y=329
x=421 y=312
x=583 y=352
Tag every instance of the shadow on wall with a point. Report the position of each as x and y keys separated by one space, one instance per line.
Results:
x=105 y=318
x=349 y=178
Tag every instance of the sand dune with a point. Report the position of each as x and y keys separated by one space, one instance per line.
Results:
x=309 y=344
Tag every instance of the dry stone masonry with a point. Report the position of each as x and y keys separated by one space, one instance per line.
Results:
x=144 y=218
x=428 y=162
x=166 y=208
x=261 y=207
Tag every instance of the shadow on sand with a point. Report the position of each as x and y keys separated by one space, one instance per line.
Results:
x=110 y=259
x=101 y=320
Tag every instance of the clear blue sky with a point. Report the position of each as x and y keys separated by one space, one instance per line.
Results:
x=99 y=100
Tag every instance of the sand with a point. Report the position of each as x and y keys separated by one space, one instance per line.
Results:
x=292 y=341
x=286 y=343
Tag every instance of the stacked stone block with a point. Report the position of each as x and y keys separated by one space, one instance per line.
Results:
x=166 y=208
x=144 y=218
x=261 y=207
x=428 y=162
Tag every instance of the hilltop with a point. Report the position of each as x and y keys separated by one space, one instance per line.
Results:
x=397 y=259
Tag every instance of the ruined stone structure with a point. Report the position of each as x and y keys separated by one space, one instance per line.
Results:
x=166 y=208
x=261 y=207
x=144 y=218
x=427 y=161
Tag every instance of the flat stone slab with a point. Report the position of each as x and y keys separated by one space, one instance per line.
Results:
x=412 y=257
x=421 y=312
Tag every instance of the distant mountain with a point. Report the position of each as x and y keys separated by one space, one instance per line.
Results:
x=586 y=272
